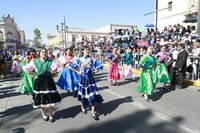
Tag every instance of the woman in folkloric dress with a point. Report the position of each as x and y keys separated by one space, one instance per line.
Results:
x=45 y=94
x=146 y=83
x=27 y=84
x=86 y=89
x=113 y=73
x=15 y=66
x=68 y=78
x=161 y=74
x=127 y=58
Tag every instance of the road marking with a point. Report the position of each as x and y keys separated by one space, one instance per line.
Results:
x=159 y=115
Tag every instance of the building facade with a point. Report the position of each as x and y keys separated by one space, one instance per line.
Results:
x=75 y=35
x=10 y=34
x=171 y=12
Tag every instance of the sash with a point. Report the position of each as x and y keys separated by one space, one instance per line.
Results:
x=85 y=63
x=42 y=67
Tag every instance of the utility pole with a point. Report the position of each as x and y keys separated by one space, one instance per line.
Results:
x=156 y=23
x=198 y=20
x=65 y=32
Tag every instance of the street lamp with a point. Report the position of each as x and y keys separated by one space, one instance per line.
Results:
x=63 y=29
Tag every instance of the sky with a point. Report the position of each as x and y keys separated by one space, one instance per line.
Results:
x=87 y=14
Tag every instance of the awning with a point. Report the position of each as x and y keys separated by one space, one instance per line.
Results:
x=190 y=19
x=149 y=25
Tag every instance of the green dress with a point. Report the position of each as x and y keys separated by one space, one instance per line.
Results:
x=146 y=84
x=27 y=84
x=161 y=74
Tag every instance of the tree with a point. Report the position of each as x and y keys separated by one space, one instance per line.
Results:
x=37 y=37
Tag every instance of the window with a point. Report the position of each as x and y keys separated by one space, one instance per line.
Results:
x=1 y=36
x=170 y=5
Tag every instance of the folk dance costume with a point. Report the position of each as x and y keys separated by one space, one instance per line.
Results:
x=45 y=92
x=27 y=84
x=126 y=71
x=161 y=74
x=68 y=78
x=146 y=84
x=86 y=89
x=15 y=66
x=113 y=73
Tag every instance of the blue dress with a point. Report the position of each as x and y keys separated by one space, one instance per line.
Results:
x=67 y=79
x=86 y=89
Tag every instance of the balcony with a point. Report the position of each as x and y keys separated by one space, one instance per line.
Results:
x=190 y=19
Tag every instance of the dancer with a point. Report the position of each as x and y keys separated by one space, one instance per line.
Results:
x=146 y=84
x=86 y=89
x=161 y=74
x=68 y=78
x=113 y=73
x=45 y=93
x=15 y=66
x=27 y=84
x=127 y=58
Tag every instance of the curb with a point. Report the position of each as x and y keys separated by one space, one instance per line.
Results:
x=189 y=82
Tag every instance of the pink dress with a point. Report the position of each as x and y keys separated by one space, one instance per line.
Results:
x=114 y=73
x=16 y=67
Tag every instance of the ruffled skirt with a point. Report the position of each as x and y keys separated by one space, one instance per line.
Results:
x=86 y=91
x=67 y=80
x=113 y=73
x=45 y=92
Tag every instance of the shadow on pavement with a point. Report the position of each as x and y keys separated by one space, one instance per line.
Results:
x=102 y=88
x=19 y=110
x=99 y=74
x=19 y=130
x=70 y=112
x=126 y=81
x=136 y=122
x=6 y=92
x=109 y=107
x=160 y=91
x=10 y=77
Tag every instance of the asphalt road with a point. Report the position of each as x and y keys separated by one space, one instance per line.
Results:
x=123 y=110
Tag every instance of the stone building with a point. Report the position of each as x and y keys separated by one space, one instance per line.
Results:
x=11 y=35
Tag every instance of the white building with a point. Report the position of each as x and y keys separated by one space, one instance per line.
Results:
x=72 y=36
x=116 y=28
x=75 y=35
x=171 y=12
x=10 y=33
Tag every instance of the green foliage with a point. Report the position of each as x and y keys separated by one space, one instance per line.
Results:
x=37 y=37
x=26 y=43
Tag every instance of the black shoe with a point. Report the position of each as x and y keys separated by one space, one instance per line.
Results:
x=51 y=119
x=45 y=117
x=95 y=117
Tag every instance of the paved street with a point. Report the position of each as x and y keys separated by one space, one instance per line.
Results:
x=123 y=111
